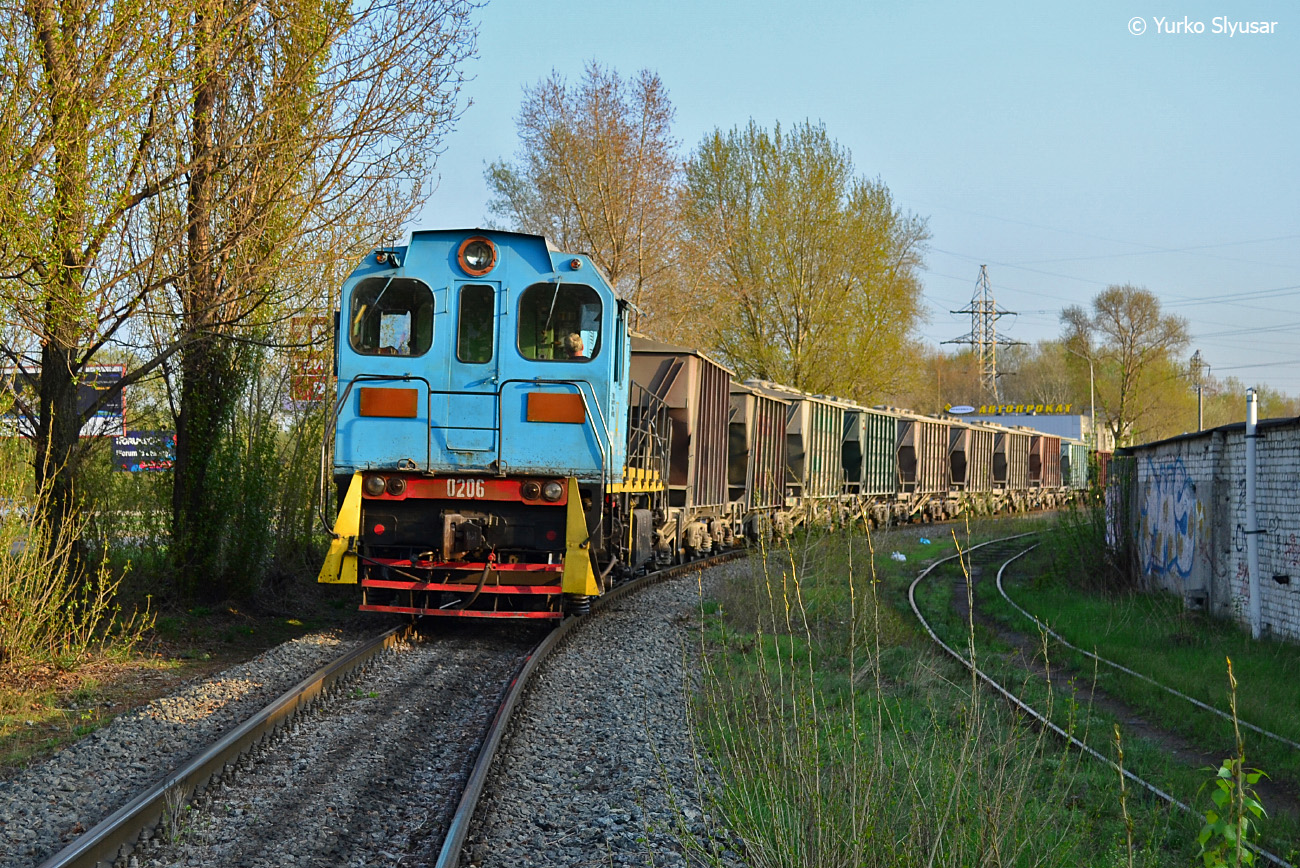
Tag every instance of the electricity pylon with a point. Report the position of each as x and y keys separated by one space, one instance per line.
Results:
x=984 y=313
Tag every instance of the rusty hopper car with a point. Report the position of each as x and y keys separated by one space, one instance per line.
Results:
x=870 y=452
x=923 y=454
x=814 y=430
x=1011 y=460
x=1074 y=464
x=1044 y=461
x=970 y=457
x=697 y=393
x=756 y=454
x=1101 y=469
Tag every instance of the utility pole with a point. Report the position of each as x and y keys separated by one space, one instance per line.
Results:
x=1092 y=396
x=984 y=313
x=1198 y=365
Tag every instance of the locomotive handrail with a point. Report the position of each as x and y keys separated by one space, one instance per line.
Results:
x=647 y=437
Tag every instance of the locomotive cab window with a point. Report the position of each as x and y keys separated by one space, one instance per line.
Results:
x=391 y=317
x=559 y=322
x=476 y=323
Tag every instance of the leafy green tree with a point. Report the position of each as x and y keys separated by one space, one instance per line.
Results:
x=1141 y=384
x=597 y=171
x=173 y=169
x=81 y=109
x=808 y=268
x=290 y=136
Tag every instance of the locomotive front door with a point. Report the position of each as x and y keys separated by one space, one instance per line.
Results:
x=471 y=423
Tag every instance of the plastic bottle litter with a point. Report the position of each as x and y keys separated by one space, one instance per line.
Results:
x=898 y=556
x=924 y=541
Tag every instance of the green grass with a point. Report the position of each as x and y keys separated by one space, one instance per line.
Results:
x=843 y=738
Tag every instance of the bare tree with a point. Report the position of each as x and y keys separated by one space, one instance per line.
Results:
x=1040 y=374
x=811 y=269
x=597 y=171
x=1133 y=348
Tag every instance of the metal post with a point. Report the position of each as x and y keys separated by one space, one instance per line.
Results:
x=1252 y=515
x=1092 y=397
x=1092 y=408
x=1198 y=366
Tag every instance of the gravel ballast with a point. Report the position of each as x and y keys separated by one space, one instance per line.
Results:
x=44 y=807
x=600 y=767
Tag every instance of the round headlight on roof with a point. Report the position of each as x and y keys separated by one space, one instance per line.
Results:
x=477 y=256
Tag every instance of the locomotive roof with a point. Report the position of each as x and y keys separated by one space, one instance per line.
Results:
x=550 y=246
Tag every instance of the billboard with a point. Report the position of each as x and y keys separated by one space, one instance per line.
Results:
x=137 y=451
x=310 y=363
x=92 y=382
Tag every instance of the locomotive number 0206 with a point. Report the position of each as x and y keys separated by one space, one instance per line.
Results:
x=466 y=488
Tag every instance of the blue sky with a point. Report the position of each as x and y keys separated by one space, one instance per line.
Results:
x=1044 y=140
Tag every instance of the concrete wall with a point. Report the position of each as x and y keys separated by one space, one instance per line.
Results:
x=1187 y=521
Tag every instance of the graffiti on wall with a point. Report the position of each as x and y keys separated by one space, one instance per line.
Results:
x=1170 y=520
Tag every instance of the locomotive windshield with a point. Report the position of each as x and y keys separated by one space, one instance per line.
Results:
x=559 y=322
x=391 y=317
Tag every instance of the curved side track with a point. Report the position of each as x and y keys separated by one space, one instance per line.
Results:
x=1149 y=680
x=119 y=831
x=458 y=828
x=1026 y=709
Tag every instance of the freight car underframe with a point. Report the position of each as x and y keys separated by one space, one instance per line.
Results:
x=882 y=511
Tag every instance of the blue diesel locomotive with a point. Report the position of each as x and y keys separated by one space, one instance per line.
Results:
x=481 y=443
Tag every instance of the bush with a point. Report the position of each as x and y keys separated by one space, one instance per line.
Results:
x=55 y=605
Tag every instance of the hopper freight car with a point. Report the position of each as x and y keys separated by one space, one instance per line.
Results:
x=756 y=456
x=970 y=462
x=923 y=472
x=696 y=393
x=814 y=435
x=1044 y=461
x=1074 y=464
x=870 y=455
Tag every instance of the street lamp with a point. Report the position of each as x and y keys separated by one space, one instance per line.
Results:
x=1092 y=397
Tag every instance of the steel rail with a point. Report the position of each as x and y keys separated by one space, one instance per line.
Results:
x=458 y=827
x=1148 y=679
x=117 y=832
x=1031 y=712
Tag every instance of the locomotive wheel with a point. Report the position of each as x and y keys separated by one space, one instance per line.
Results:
x=577 y=604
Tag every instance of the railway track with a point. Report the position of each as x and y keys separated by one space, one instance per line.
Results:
x=283 y=759
x=996 y=552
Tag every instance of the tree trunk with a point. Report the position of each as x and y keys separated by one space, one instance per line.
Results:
x=208 y=386
x=58 y=435
x=199 y=513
